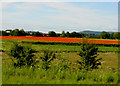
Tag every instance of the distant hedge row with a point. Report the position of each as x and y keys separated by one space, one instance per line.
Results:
x=17 y=32
x=75 y=44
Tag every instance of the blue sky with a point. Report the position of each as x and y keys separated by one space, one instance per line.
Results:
x=59 y=16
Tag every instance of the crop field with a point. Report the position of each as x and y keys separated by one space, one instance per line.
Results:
x=64 y=69
x=60 y=39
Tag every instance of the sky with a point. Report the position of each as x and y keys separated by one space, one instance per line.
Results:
x=59 y=16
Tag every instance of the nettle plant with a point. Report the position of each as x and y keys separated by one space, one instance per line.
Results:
x=22 y=55
x=47 y=58
x=89 y=56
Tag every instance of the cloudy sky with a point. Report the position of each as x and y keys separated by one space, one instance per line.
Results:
x=59 y=16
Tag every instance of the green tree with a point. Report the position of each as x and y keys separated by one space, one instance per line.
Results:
x=63 y=34
x=105 y=35
x=67 y=34
x=58 y=34
x=51 y=34
x=112 y=36
x=38 y=34
x=22 y=32
x=74 y=34
x=89 y=55
x=116 y=35
x=81 y=35
x=15 y=32
x=3 y=33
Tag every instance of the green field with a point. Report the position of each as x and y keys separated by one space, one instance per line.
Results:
x=7 y=44
x=67 y=55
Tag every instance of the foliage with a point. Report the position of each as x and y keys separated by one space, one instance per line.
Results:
x=51 y=34
x=3 y=33
x=63 y=34
x=25 y=75
x=15 y=32
x=23 y=55
x=112 y=35
x=74 y=34
x=37 y=34
x=116 y=35
x=22 y=32
x=105 y=35
x=89 y=55
x=47 y=58
x=67 y=34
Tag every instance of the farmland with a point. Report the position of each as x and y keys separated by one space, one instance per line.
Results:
x=67 y=54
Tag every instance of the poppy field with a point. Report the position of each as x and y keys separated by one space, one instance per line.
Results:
x=60 y=39
x=64 y=69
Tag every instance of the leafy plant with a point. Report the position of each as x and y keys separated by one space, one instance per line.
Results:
x=23 y=55
x=47 y=58
x=89 y=55
x=110 y=79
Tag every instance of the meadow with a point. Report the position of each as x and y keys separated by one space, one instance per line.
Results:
x=64 y=69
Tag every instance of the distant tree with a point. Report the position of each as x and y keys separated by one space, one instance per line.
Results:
x=112 y=36
x=0 y=33
x=105 y=35
x=3 y=33
x=38 y=34
x=97 y=36
x=67 y=34
x=116 y=35
x=58 y=34
x=22 y=32
x=51 y=34
x=81 y=35
x=63 y=34
x=74 y=34
x=15 y=32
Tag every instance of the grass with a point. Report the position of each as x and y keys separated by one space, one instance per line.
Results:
x=58 y=73
x=104 y=75
x=6 y=45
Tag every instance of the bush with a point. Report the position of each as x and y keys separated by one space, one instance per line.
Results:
x=23 y=55
x=47 y=58
x=110 y=79
x=89 y=55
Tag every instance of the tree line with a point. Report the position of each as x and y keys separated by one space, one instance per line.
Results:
x=21 y=32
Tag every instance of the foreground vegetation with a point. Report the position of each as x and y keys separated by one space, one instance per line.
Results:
x=63 y=69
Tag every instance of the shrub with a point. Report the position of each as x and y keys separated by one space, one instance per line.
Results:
x=89 y=55
x=110 y=79
x=47 y=58
x=23 y=55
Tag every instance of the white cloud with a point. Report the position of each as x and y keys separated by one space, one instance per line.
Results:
x=67 y=15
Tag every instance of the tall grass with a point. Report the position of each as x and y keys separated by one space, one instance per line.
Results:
x=26 y=75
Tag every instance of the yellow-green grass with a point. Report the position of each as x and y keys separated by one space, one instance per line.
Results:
x=106 y=74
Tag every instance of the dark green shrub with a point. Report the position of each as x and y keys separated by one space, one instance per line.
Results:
x=47 y=58
x=23 y=55
x=81 y=76
x=89 y=55
x=110 y=79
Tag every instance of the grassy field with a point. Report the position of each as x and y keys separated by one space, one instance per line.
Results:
x=7 y=44
x=59 y=73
